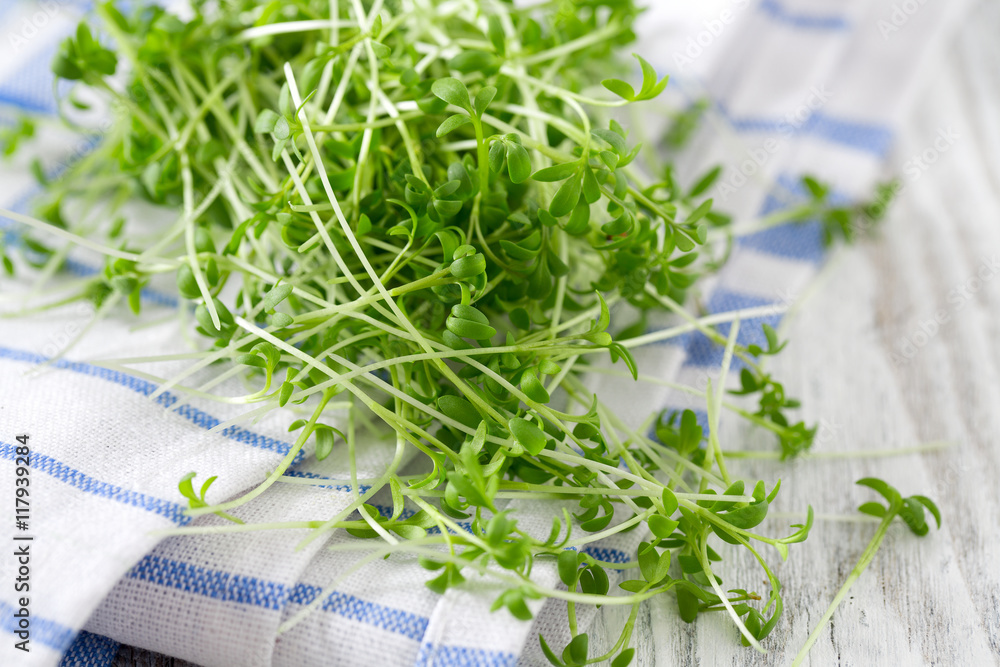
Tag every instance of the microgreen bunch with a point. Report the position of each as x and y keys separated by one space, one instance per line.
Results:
x=417 y=209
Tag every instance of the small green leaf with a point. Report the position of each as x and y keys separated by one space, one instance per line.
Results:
x=576 y=651
x=567 y=196
x=619 y=88
x=518 y=163
x=558 y=172
x=668 y=497
x=276 y=295
x=705 y=182
x=929 y=504
x=529 y=435
x=624 y=658
x=699 y=212
x=498 y=38
x=483 y=99
x=324 y=441
x=549 y=654
x=497 y=153
x=568 y=564
x=452 y=91
x=186 y=283
x=452 y=123
x=661 y=526
x=266 y=120
x=282 y=130
x=532 y=388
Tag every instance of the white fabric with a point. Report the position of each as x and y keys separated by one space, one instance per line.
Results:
x=106 y=459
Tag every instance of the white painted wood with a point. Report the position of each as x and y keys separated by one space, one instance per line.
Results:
x=930 y=601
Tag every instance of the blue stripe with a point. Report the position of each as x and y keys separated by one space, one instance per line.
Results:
x=166 y=399
x=777 y=12
x=702 y=351
x=412 y=626
x=210 y=583
x=362 y=488
x=271 y=595
x=802 y=241
x=45 y=632
x=462 y=656
x=607 y=555
x=30 y=88
x=90 y=650
x=80 y=480
x=865 y=137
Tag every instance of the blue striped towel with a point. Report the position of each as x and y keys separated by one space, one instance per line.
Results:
x=796 y=86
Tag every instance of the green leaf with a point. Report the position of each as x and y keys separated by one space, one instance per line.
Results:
x=460 y=410
x=186 y=283
x=668 y=498
x=251 y=360
x=699 y=212
x=929 y=504
x=615 y=140
x=533 y=388
x=567 y=196
x=558 y=172
x=518 y=163
x=604 y=319
x=872 y=509
x=483 y=99
x=280 y=320
x=888 y=492
x=624 y=658
x=650 y=86
x=282 y=130
x=452 y=123
x=912 y=513
x=568 y=564
x=661 y=526
x=687 y=604
x=497 y=152
x=496 y=35
x=452 y=91
x=591 y=188
x=185 y=487
x=276 y=295
x=549 y=654
x=474 y=61
x=266 y=120
x=619 y=88
x=576 y=651
x=529 y=435
x=705 y=182
x=324 y=440
x=468 y=267
x=579 y=221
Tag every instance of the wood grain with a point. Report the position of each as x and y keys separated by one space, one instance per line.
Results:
x=931 y=601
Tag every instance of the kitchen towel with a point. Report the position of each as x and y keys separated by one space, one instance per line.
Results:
x=794 y=87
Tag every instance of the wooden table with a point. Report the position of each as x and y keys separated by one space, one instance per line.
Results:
x=932 y=277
